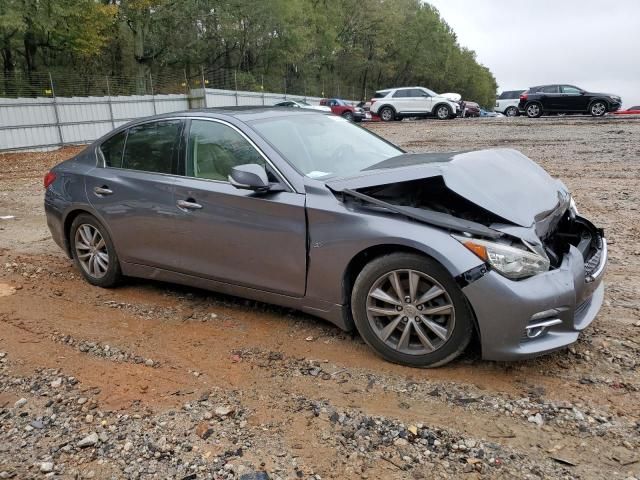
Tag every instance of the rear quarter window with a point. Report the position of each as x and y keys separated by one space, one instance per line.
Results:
x=381 y=94
x=112 y=149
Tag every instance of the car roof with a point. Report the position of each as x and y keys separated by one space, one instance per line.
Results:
x=242 y=113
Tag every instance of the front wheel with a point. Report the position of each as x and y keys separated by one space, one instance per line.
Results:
x=443 y=112
x=348 y=116
x=534 y=110
x=511 y=112
x=598 y=109
x=93 y=252
x=410 y=310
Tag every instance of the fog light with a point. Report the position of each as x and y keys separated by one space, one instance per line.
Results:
x=536 y=330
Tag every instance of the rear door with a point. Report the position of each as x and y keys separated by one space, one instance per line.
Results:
x=133 y=190
x=551 y=98
x=231 y=235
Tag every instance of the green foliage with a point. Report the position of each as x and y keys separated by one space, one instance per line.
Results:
x=328 y=47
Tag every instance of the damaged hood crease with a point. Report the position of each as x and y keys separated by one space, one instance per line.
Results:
x=510 y=189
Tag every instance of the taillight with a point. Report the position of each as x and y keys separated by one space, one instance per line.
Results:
x=523 y=97
x=373 y=100
x=49 y=178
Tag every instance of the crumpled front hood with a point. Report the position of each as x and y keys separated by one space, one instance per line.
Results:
x=453 y=97
x=502 y=181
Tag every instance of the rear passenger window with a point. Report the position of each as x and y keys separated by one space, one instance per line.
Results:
x=112 y=149
x=215 y=148
x=401 y=94
x=549 y=89
x=152 y=147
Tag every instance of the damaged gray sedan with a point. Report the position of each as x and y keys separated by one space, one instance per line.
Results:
x=417 y=252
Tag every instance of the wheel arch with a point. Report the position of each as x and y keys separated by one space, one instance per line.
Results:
x=70 y=216
x=597 y=99
x=387 y=105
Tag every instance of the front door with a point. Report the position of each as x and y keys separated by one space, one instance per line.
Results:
x=231 y=235
x=574 y=99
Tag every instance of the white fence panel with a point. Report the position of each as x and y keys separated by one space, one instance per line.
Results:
x=40 y=122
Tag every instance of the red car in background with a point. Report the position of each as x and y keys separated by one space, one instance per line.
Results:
x=629 y=111
x=343 y=109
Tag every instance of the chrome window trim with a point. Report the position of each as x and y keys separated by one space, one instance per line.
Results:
x=208 y=119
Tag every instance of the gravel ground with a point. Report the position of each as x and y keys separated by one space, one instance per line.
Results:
x=159 y=381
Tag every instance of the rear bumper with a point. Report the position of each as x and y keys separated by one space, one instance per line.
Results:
x=555 y=306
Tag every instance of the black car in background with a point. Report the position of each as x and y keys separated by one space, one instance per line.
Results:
x=545 y=99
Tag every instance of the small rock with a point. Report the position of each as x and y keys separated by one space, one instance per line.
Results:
x=46 y=467
x=88 y=418
x=413 y=429
x=148 y=362
x=400 y=442
x=82 y=400
x=309 y=339
x=223 y=411
x=203 y=430
x=128 y=446
x=57 y=383
x=88 y=441
x=255 y=476
x=20 y=403
x=37 y=424
x=537 y=419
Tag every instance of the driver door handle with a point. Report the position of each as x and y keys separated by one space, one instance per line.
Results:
x=188 y=204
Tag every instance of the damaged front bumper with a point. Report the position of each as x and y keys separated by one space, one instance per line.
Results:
x=521 y=319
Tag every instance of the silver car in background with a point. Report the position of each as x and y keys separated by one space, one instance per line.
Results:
x=418 y=252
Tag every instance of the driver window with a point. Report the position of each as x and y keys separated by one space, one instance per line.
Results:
x=570 y=89
x=215 y=148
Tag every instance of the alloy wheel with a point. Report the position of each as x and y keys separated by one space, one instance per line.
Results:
x=91 y=250
x=410 y=312
x=511 y=112
x=533 y=110
x=443 y=113
x=598 y=109
x=386 y=114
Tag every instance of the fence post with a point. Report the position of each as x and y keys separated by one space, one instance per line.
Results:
x=153 y=97
x=204 y=90
x=262 y=88
x=113 y=125
x=55 y=109
x=235 y=81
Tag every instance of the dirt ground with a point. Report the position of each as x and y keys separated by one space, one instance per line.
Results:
x=152 y=380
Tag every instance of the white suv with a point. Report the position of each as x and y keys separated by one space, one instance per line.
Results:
x=396 y=103
x=507 y=103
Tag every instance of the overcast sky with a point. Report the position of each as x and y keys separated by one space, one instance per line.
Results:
x=594 y=44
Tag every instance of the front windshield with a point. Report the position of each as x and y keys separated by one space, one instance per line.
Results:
x=323 y=146
x=302 y=102
x=430 y=92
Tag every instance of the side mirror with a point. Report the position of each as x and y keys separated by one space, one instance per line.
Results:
x=250 y=176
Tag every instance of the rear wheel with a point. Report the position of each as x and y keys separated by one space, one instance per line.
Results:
x=598 y=108
x=534 y=110
x=387 y=114
x=411 y=311
x=93 y=252
x=348 y=115
x=511 y=112
x=443 y=112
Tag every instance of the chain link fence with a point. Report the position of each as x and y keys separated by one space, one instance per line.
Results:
x=49 y=110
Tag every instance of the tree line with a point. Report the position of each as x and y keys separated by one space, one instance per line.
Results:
x=362 y=45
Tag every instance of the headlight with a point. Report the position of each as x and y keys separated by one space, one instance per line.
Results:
x=512 y=262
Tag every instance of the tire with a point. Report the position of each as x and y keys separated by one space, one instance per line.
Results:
x=511 y=112
x=387 y=114
x=447 y=334
x=348 y=115
x=533 y=110
x=100 y=265
x=598 y=108
x=443 y=112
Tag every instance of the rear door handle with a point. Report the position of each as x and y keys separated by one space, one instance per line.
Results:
x=189 y=204
x=100 y=191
